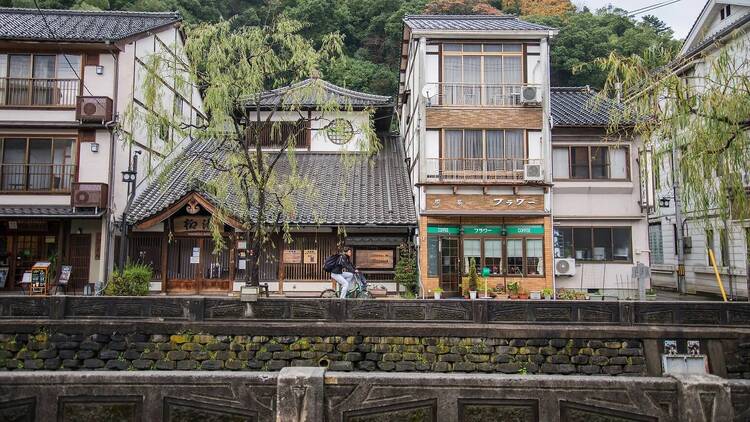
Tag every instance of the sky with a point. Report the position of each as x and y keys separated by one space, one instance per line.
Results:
x=679 y=16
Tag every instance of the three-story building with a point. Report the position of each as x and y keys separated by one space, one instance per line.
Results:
x=66 y=78
x=474 y=113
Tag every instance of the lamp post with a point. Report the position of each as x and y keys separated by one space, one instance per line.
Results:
x=130 y=177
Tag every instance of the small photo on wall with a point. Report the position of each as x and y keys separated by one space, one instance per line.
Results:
x=670 y=347
x=694 y=347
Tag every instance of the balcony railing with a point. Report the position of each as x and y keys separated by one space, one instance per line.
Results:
x=468 y=94
x=37 y=92
x=36 y=177
x=476 y=169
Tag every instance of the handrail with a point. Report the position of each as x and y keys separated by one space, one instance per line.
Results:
x=38 y=92
x=477 y=94
x=476 y=169
x=37 y=177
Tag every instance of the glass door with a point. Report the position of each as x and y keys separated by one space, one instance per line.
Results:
x=450 y=268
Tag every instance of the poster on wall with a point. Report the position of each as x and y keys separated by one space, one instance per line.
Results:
x=3 y=276
x=65 y=274
x=292 y=256
x=375 y=259
x=311 y=256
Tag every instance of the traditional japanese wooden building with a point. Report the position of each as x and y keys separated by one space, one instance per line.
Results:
x=369 y=198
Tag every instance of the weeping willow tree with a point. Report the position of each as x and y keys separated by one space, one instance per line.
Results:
x=698 y=107
x=244 y=74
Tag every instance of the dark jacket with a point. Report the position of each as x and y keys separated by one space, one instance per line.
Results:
x=343 y=265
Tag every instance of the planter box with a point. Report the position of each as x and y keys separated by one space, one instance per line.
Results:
x=379 y=292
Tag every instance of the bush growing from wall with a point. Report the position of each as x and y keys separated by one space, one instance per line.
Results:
x=405 y=272
x=133 y=280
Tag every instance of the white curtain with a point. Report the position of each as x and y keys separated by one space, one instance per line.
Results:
x=453 y=78
x=496 y=150
x=493 y=92
x=618 y=163
x=560 y=163
x=514 y=150
x=472 y=79
x=453 y=150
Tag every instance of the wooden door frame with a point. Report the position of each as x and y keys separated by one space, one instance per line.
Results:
x=199 y=279
x=458 y=257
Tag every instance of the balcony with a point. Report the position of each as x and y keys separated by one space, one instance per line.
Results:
x=449 y=94
x=476 y=170
x=45 y=178
x=36 y=92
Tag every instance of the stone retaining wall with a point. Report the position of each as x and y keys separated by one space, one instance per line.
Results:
x=187 y=351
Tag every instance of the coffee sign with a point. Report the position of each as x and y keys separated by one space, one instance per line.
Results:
x=495 y=203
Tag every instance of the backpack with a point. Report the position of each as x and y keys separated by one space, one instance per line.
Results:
x=330 y=263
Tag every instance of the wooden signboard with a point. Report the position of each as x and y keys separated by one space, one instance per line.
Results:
x=191 y=224
x=494 y=203
x=375 y=259
x=311 y=256
x=292 y=256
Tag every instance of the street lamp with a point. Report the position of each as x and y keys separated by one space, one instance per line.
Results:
x=129 y=176
x=664 y=202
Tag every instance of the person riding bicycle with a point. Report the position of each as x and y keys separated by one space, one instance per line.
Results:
x=344 y=271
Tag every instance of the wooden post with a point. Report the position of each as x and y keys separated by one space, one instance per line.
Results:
x=164 y=258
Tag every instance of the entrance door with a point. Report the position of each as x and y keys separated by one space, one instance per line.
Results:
x=80 y=258
x=193 y=268
x=450 y=271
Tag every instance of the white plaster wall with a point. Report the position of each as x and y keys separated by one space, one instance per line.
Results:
x=536 y=146
x=94 y=166
x=91 y=227
x=534 y=66
x=32 y=115
x=39 y=200
x=100 y=85
x=319 y=139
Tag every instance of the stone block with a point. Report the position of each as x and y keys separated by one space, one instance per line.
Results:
x=158 y=338
x=550 y=368
x=609 y=352
x=341 y=366
x=599 y=360
x=405 y=366
x=66 y=345
x=165 y=347
x=153 y=355
x=85 y=354
x=275 y=364
x=176 y=355
x=216 y=346
x=165 y=365
x=90 y=345
x=585 y=351
x=477 y=358
x=595 y=344
x=441 y=367
x=558 y=359
x=353 y=357
x=619 y=360
x=287 y=339
x=25 y=354
x=439 y=349
x=548 y=351
x=528 y=350
x=143 y=346
x=273 y=347
x=179 y=338
x=386 y=366
x=66 y=354
x=224 y=355
x=464 y=367
x=637 y=360
x=612 y=369
x=109 y=354
x=117 y=365
x=537 y=342
x=558 y=342
x=366 y=365
x=69 y=363
x=501 y=359
x=613 y=344
x=200 y=355
x=131 y=354
x=203 y=338
x=392 y=357
x=33 y=364
x=187 y=365
x=233 y=364
x=212 y=365
x=450 y=357
x=373 y=356
x=118 y=345
x=485 y=367
x=506 y=350
x=100 y=338
x=566 y=369
x=52 y=363
x=143 y=364
x=285 y=355
x=634 y=369
x=304 y=362
x=322 y=347
x=191 y=347
x=590 y=369
x=631 y=352
x=518 y=343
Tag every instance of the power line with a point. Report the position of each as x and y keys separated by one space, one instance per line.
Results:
x=651 y=7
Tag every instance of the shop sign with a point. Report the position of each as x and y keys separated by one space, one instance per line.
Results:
x=310 y=256
x=375 y=259
x=525 y=229
x=292 y=256
x=494 y=203
x=452 y=230
x=482 y=229
x=192 y=224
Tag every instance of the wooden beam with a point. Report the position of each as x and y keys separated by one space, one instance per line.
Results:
x=163 y=215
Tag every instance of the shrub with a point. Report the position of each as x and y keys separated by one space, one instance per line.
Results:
x=133 y=280
x=405 y=272
x=473 y=275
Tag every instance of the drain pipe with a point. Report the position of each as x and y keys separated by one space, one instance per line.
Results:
x=110 y=180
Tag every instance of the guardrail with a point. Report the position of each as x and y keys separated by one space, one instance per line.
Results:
x=218 y=309
x=38 y=92
x=476 y=169
x=37 y=177
x=451 y=94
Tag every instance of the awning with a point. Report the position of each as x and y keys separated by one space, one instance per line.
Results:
x=49 y=212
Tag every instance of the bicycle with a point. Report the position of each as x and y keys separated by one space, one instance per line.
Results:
x=357 y=291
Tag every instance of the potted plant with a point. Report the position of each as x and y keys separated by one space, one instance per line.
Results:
x=650 y=294
x=437 y=291
x=473 y=278
x=535 y=295
x=523 y=294
x=513 y=288
x=580 y=296
x=547 y=293
x=500 y=293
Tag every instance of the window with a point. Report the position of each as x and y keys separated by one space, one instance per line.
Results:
x=534 y=257
x=472 y=249
x=590 y=162
x=432 y=256
x=39 y=79
x=515 y=256
x=725 y=12
x=479 y=150
x=493 y=256
x=486 y=74
x=724 y=245
x=36 y=164
x=655 y=243
x=594 y=243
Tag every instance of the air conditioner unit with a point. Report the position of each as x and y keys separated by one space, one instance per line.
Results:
x=532 y=172
x=94 y=109
x=89 y=195
x=565 y=266
x=531 y=95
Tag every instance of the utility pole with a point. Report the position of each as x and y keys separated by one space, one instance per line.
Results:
x=681 y=284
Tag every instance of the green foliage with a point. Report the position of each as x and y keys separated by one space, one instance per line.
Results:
x=405 y=272
x=133 y=280
x=547 y=292
x=514 y=287
x=586 y=36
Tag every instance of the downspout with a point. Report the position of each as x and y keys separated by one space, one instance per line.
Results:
x=547 y=125
x=110 y=178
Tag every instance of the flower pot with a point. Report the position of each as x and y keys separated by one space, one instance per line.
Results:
x=502 y=296
x=650 y=297
x=535 y=295
x=547 y=297
x=513 y=296
x=472 y=294
x=437 y=295
x=523 y=295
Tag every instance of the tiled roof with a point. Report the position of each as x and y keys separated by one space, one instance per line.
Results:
x=471 y=23
x=375 y=191
x=21 y=212
x=304 y=93
x=578 y=106
x=714 y=37
x=78 y=25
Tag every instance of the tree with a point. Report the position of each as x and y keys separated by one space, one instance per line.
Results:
x=461 y=7
x=235 y=68
x=585 y=36
x=704 y=115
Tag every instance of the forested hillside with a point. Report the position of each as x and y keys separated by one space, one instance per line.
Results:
x=372 y=30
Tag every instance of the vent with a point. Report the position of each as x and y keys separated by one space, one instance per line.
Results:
x=89 y=195
x=565 y=266
x=532 y=172
x=531 y=95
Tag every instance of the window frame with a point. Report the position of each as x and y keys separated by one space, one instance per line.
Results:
x=504 y=252
x=74 y=151
x=444 y=137
x=30 y=77
x=608 y=165
x=591 y=237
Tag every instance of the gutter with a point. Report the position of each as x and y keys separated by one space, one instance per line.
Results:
x=112 y=146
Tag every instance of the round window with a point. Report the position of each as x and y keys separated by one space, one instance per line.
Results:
x=340 y=131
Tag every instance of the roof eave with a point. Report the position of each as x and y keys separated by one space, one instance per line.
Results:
x=486 y=34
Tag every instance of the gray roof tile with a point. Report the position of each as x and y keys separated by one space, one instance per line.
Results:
x=328 y=92
x=78 y=25
x=31 y=211
x=578 y=106
x=375 y=191
x=471 y=23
